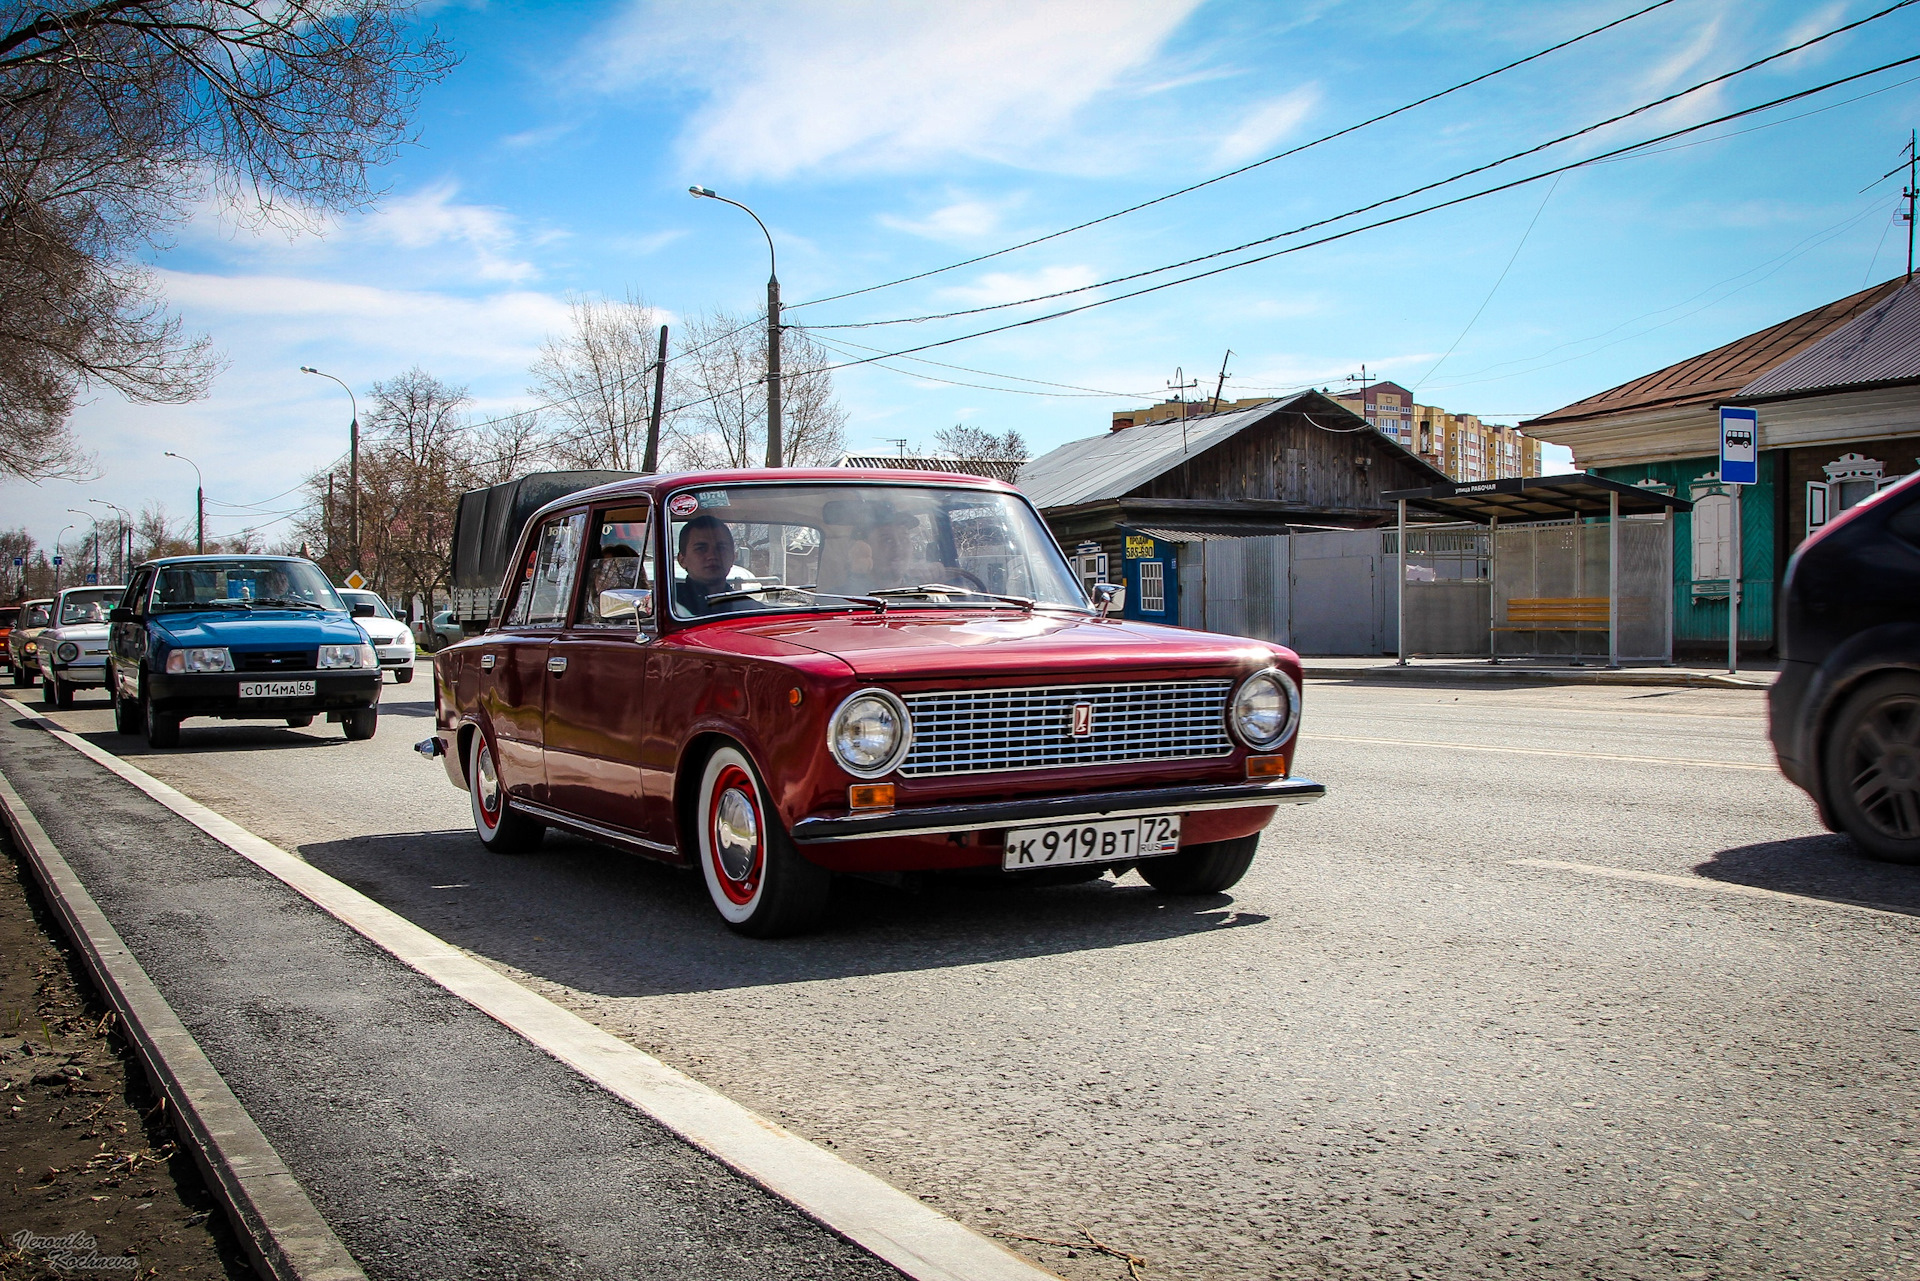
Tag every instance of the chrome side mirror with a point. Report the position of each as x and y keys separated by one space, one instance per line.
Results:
x=633 y=604
x=1109 y=598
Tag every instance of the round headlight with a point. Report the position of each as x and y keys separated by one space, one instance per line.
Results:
x=67 y=652
x=868 y=733
x=1264 y=709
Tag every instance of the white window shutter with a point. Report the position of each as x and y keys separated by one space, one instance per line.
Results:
x=1816 y=505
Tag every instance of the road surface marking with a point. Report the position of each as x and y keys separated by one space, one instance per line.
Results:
x=915 y=1238
x=1708 y=883
x=1536 y=751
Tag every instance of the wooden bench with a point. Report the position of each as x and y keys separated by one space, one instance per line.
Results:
x=1556 y=614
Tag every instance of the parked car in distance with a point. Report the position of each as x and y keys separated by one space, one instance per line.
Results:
x=440 y=631
x=23 y=649
x=1844 y=714
x=392 y=639
x=73 y=649
x=8 y=614
x=239 y=638
x=775 y=677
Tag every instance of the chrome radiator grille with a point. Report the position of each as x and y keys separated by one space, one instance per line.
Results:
x=976 y=731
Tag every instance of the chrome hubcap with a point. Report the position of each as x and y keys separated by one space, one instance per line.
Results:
x=489 y=782
x=736 y=834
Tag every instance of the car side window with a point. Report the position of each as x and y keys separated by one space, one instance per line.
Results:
x=547 y=583
x=619 y=560
x=135 y=601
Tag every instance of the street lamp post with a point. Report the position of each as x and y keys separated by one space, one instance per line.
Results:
x=56 y=566
x=125 y=537
x=353 y=469
x=96 y=541
x=199 y=503
x=776 y=452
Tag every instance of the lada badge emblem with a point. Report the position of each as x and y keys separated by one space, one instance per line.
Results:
x=1082 y=719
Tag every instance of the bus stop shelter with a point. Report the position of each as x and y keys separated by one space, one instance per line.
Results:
x=1492 y=563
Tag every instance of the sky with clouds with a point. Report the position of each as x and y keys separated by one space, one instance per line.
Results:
x=881 y=138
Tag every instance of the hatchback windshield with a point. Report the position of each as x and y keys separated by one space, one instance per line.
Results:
x=243 y=584
x=353 y=598
x=37 y=616
x=88 y=606
x=742 y=548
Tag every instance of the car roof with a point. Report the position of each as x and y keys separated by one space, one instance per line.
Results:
x=37 y=600
x=223 y=556
x=661 y=482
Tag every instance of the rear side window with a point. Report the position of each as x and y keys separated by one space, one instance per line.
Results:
x=546 y=580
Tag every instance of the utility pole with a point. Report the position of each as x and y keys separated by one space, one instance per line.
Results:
x=1222 y=384
x=1180 y=387
x=1913 y=153
x=199 y=503
x=651 y=463
x=1363 y=379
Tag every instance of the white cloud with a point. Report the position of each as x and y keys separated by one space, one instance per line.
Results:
x=1006 y=286
x=878 y=84
x=431 y=218
x=1267 y=124
x=962 y=220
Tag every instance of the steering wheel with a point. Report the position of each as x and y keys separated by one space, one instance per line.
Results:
x=970 y=579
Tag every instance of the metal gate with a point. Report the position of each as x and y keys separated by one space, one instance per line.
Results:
x=1320 y=594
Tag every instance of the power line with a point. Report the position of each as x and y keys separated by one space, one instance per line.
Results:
x=1405 y=195
x=1384 y=222
x=1234 y=173
x=985 y=373
x=1478 y=311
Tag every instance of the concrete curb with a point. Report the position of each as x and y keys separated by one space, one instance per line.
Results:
x=1653 y=677
x=891 y=1224
x=283 y=1234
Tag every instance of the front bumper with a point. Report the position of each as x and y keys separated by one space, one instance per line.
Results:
x=932 y=820
x=393 y=656
x=85 y=671
x=218 y=693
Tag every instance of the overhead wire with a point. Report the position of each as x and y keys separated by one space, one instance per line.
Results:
x=1246 y=168
x=1409 y=194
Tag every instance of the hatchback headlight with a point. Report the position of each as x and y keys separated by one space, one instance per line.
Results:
x=868 y=733
x=1264 y=709
x=183 y=661
x=31 y=647
x=67 y=652
x=334 y=656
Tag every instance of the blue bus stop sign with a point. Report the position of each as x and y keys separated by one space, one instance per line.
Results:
x=1739 y=446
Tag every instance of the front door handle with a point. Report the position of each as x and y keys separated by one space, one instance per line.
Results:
x=557 y=664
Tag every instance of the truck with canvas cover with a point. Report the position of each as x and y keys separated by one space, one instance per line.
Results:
x=487 y=528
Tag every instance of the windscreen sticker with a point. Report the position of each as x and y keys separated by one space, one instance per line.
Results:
x=683 y=505
x=715 y=498
x=972 y=513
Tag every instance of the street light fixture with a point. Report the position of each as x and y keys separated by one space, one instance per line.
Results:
x=126 y=536
x=199 y=503
x=353 y=469
x=775 y=449
x=96 y=541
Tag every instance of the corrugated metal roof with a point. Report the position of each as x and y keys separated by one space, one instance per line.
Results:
x=1880 y=345
x=1722 y=372
x=1118 y=462
x=991 y=468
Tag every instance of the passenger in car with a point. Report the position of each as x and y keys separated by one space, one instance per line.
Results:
x=706 y=553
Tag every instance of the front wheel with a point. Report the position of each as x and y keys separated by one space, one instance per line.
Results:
x=300 y=722
x=360 y=723
x=1873 y=768
x=1202 y=869
x=126 y=711
x=22 y=678
x=757 y=880
x=402 y=675
x=499 y=827
x=163 y=728
x=58 y=693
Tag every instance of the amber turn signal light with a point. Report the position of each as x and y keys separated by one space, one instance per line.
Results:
x=870 y=796
x=1266 y=767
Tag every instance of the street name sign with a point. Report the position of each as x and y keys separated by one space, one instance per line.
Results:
x=1739 y=446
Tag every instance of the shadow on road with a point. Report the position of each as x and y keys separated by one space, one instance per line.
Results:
x=616 y=924
x=1825 y=866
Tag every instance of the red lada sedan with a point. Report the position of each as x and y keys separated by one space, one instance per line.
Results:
x=776 y=676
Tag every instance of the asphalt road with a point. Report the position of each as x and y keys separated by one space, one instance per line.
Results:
x=1391 y=1052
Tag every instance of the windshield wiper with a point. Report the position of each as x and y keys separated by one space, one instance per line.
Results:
x=947 y=589
x=284 y=602
x=804 y=589
x=204 y=605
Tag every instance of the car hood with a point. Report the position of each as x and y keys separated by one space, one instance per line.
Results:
x=265 y=630
x=914 y=645
x=76 y=632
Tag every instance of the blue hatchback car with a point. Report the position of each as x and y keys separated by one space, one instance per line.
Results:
x=239 y=638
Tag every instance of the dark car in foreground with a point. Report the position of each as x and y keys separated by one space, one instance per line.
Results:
x=239 y=638
x=1844 y=714
x=774 y=677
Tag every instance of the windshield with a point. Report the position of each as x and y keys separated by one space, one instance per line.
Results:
x=366 y=598
x=243 y=584
x=37 y=615
x=88 y=606
x=786 y=547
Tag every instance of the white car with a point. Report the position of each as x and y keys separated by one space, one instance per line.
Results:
x=73 y=652
x=392 y=639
